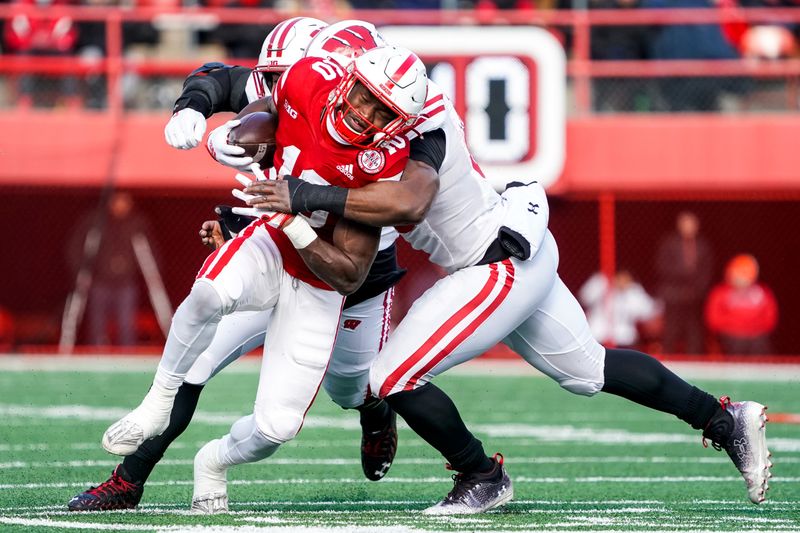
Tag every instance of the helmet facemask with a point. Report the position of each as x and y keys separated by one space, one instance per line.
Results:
x=373 y=135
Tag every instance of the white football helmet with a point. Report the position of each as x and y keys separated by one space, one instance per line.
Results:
x=282 y=48
x=345 y=40
x=397 y=78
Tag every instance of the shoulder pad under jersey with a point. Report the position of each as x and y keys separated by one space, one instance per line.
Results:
x=432 y=116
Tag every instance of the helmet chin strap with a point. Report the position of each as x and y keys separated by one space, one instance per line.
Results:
x=329 y=125
x=332 y=130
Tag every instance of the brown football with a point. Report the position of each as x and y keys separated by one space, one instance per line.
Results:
x=256 y=134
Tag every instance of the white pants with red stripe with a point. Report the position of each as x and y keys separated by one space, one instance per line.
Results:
x=363 y=330
x=523 y=303
x=247 y=274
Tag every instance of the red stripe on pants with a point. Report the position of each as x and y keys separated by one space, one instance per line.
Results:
x=439 y=334
x=229 y=252
x=469 y=330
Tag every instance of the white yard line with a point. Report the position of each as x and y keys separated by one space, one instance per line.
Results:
x=483 y=367
x=343 y=461
x=539 y=432
x=417 y=480
x=65 y=524
x=267 y=522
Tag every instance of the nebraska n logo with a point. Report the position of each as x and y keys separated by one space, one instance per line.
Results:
x=347 y=170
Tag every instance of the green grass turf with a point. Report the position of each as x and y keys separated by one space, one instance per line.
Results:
x=577 y=463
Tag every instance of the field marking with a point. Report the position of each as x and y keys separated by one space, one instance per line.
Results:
x=544 y=433
x=569 y=519
x=486 y=368
x=166 y=507
x=183 y=510
x=342 y=461
x=417 y=480
x=65 y=524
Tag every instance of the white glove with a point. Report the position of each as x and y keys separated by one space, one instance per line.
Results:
x=185 y=129
x=225 y=153
x=276 y=220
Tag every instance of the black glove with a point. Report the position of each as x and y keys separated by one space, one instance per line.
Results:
x=230 y=222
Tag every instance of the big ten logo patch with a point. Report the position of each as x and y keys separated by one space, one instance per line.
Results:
x=509 y=86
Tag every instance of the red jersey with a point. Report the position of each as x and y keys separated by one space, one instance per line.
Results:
x=307 y=149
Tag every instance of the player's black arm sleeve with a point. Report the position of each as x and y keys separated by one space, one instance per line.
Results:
x=214 y=87
x=431 y=148
x=385 y=203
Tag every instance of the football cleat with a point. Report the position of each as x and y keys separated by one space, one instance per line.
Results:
x=476 y=492
x=740 y=429
x=378 y=448
x=114 y=494
x=210 y=481
x=148 y=420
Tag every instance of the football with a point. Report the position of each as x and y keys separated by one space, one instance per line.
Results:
x=256 y=134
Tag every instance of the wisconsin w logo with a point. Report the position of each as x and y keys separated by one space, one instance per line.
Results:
x=351 y=324
x=350 y=42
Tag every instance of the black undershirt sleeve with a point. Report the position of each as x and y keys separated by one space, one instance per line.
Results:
x=214 y=88
x=430 y=148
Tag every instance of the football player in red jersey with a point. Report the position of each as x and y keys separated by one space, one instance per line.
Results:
x=364 y=326
x=299 y=266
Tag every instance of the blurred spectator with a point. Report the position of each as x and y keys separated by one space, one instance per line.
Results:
x=49 y=36
x=6 y=330
x=397 y=4
x=114 y=292
x=615 y=309
x=683 y=264
x=741 y=311
x=766 y=40
x=692 y=41
x=618 y=43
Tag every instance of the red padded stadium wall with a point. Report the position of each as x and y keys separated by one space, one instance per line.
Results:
x=747 y=196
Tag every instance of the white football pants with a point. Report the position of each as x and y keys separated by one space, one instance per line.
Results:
x=246 y=274
x=522 y=303
x=363 y=329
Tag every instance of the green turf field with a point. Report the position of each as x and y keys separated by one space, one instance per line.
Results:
x=578 y=464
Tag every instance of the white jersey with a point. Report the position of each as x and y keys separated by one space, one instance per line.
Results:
x=466 y=212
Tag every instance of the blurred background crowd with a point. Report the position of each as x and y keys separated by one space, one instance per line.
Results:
x=693 y=270
x=205 y=38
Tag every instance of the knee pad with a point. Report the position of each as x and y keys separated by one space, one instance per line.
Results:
x=347 y=391
x=202 y=370
x=280 y=425
x=203 y=303
x=245 y=443
x=582 y=387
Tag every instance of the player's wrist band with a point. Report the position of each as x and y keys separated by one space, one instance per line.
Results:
x=305 y=196
x=299 y=232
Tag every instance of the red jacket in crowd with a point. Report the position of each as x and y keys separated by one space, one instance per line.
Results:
x=741 y=311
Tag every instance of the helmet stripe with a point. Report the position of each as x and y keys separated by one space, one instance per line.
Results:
x=274 y=37
x=403 y=68
x=282 y=40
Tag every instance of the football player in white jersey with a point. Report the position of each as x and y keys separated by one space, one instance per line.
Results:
x=502 y=285
x=365 y=318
